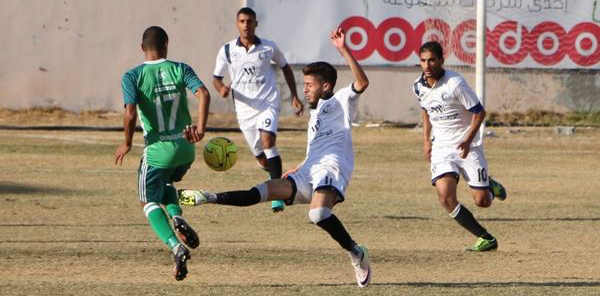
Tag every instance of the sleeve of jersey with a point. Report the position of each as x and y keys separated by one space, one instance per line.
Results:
x=130 y=91
x=278 y=57
x=466 y=96
x=348 y=93
x=192 y=82
x=220 y=64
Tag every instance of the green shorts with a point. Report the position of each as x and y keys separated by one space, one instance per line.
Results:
x=153 y=182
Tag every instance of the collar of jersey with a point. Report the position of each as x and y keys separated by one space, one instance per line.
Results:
x=424 y=81
x=323 y=99
x=257 y=41
x=155 y=61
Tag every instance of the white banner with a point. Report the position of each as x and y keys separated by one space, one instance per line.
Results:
x=520 y=33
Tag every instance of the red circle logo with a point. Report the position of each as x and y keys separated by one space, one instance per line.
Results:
x=433 y=30
x=549 y=43
x=509 y=42
x=464 y=41
x=395 y=39
x=584 y=47
x=361 y=36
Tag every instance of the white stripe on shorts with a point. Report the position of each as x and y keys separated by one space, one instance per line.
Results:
x=142 y=179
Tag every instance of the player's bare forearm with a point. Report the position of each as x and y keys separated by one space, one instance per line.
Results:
x=221 y=88
x=129 y=120
x=426 y=126
x=195 y=133
x=338 y=39
x=361 y=82
x=476 y=121
x=203 y=106
x=288 y=74
x=426 y=135
x=291 y=82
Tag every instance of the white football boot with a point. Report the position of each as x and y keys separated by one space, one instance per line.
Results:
x=361 y=267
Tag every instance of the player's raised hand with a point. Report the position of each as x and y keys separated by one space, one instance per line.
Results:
x=192 y=134
x=122 y=150
x=338 y=38
x=297 y=104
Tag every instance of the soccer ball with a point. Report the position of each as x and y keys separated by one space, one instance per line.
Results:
x=220 y=153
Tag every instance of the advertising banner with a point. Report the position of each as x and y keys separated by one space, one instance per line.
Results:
x=520 y=33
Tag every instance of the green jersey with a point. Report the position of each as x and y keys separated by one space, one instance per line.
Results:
x=158 y=89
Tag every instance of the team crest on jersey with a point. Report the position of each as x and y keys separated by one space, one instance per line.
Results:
x=445 y=96
x=262 y=54
x=326 y=109
x=162 y=75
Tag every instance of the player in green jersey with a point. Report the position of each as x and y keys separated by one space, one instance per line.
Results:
x=156 y=90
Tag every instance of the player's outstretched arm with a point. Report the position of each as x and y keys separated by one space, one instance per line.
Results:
x=196 y=133
x=338 y=39
x=129 y=121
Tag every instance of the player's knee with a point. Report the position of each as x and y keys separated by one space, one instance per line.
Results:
x=482 y=198
x=317 y=215
x=447 y=200
x=483 y=201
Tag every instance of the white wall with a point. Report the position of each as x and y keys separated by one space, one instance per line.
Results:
x=72 y=54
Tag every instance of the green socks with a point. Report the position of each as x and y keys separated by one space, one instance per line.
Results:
x=160 y=223
x=171 y=201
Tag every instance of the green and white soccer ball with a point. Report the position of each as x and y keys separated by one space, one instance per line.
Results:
x=220 y=154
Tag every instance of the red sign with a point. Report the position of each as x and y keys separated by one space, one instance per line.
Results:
x=547 y=43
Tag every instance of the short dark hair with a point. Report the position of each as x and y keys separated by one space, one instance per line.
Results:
x=324 y=70
x=433 y=47
x=246 y=11
x=155 y=38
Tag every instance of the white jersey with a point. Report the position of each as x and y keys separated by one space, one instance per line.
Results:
x=253 y=83
x=330 y=134
x=448 y=104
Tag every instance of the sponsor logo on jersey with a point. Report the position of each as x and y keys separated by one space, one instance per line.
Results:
x=437 y=108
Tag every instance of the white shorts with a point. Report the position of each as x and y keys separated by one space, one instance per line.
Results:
x=265 y=120
x=473 y=168
x=307 y=180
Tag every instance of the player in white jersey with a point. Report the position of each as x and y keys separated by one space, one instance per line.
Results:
x=254 y=90
x=321 y=179
x=452 y=142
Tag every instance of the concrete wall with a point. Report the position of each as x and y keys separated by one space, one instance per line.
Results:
x=72 y=54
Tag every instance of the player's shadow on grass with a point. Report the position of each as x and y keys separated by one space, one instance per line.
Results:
x=540 y=219
x=500 y=219
x=494 y=284
x=19 y=188
x=454 y=284
x=394 y=217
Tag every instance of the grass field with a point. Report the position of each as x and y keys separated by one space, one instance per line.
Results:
x=70 y=223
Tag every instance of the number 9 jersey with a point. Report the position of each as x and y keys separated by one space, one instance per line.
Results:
x=158 y=89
